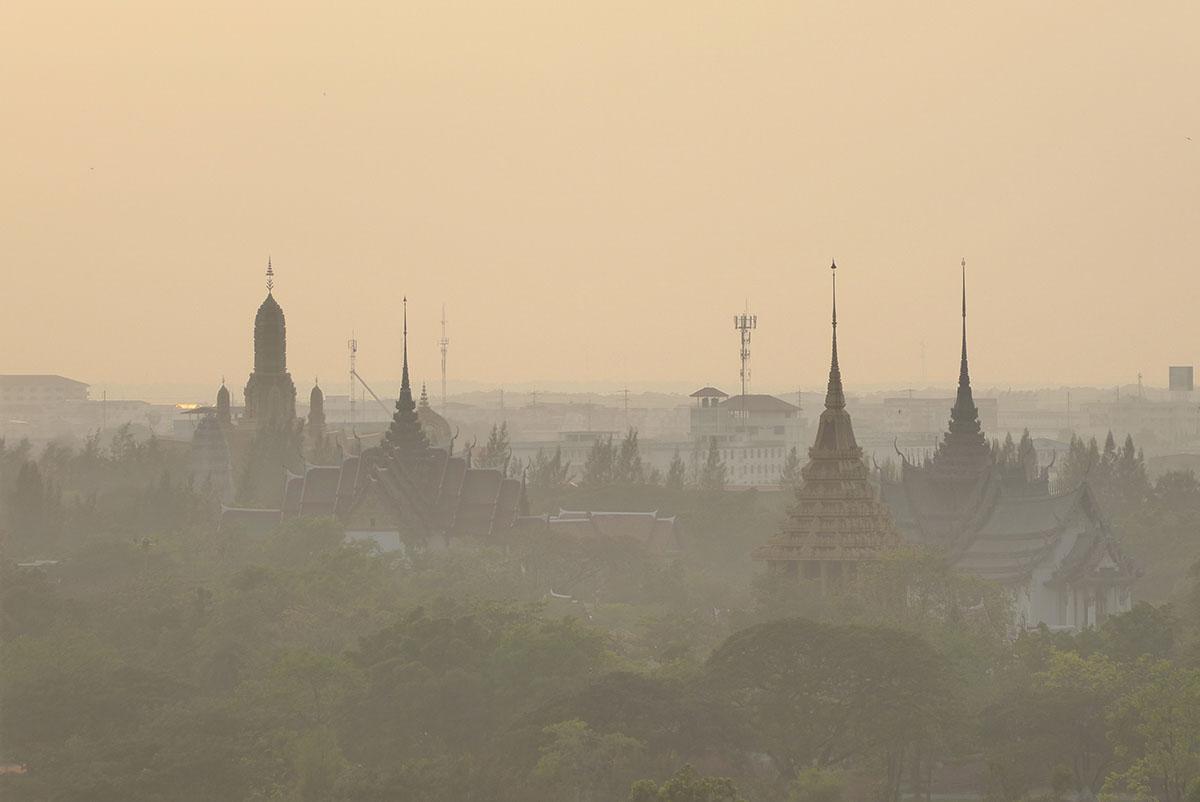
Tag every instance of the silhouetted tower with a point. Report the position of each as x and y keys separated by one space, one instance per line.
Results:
x=316 y=411
x=352 y=345
x=270 y=394
x=224 y=412
x=444 y=345
x=745 y=323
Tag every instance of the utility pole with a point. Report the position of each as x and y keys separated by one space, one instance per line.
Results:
x=444 y=345
x=352 y=344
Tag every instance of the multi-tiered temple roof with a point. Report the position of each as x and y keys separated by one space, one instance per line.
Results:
x=1007 y=526
x=837 y=517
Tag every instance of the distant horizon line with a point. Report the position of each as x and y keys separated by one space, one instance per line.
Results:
x=195 y=391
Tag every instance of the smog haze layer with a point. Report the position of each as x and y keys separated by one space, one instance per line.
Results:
x=594 y=190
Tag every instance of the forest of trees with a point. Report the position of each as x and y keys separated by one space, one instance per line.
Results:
x=162 y=658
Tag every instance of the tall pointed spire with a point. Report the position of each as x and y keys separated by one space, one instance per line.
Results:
x=270 y=276
x=405 y=386
x=405 y=433
x=835 y=397
x=964 y=378
x=964 y=411
x=964 y=450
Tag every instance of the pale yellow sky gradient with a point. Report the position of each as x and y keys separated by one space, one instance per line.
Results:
x=594 y=189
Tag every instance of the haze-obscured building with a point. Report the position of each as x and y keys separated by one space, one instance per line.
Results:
x=1053 y=553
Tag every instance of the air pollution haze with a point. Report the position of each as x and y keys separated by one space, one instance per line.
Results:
x=599 y=402
x=594 y=189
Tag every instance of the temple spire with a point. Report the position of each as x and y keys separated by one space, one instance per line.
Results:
x=405 y=434
x=405 y=387
x=270 y=276
x=964 y=416
x=835 y=398
x=963 y=377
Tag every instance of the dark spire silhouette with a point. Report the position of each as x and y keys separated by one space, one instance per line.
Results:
x=835 y=397
x=964 y=449
x=405 y=434
x=964 y=414
x=835 y=433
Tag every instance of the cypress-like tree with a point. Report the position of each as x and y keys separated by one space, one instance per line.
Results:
x=628 y=468
x=497 y=452
x=598 y=467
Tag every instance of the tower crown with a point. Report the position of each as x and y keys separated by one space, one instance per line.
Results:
x=835 y=432
x=270 y=332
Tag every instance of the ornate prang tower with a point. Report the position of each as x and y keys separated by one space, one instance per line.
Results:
x=270 y=393
x=837 y=521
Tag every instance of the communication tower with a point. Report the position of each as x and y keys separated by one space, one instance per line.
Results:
x=745 y=323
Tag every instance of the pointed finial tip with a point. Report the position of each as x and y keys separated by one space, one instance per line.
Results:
x=833 y=264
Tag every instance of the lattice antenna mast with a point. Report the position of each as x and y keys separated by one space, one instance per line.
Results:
x=352 y=344
x=745 y=323
x=444 y=345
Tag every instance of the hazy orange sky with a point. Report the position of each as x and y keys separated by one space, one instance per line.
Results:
x=594 y=189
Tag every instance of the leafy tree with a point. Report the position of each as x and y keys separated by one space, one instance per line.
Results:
x=599 y=467
x=497 y=453
x=685 y=785
x=627 y=467
x=1051 y=718
x=549 y=474
x=863 y=693
x=1144 y=631
x=815 y=784
x=583 y=765
x=1156 y=727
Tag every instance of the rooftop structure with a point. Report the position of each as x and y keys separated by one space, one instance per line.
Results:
x=1054 y=553
x=270 y=393
x=837 y=521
